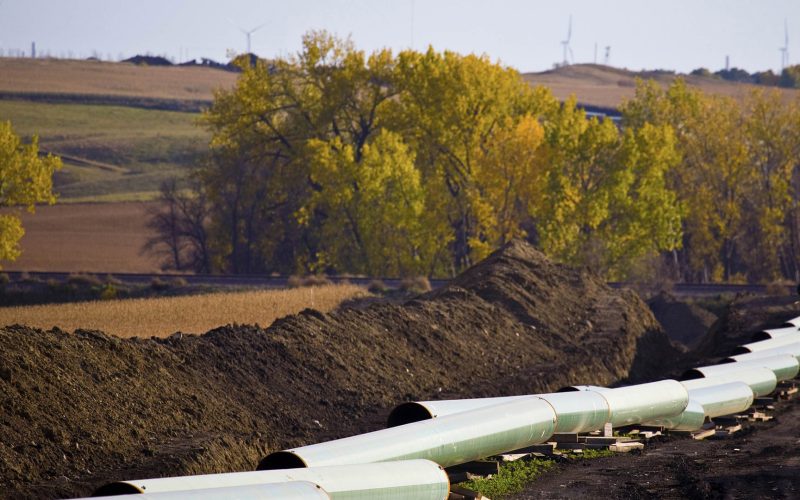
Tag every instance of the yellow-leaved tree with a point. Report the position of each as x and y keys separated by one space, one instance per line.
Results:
x=25 y=180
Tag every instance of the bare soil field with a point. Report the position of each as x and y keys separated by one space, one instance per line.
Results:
x=79 y=409
x=85 y=237
x=164 y=316
x=108 y=78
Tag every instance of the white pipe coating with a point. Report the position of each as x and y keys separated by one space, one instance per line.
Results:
x=724 y=399
x=784 y=366
x=291 y=490
x=449 y=440
x=583 y=411
x=644 y=402
x=793 y=349
x=795 y=322
x=402 y=479
x=762 y=345
x=775 y=333
x=762 y=381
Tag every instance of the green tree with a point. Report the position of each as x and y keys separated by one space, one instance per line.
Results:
x=25 y=180
x=606 y=202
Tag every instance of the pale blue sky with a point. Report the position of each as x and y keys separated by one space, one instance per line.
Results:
x=668 y=34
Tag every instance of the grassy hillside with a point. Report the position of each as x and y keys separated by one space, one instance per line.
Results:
x=110 y=152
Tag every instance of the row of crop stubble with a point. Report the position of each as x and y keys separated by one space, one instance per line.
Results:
x=161 y=317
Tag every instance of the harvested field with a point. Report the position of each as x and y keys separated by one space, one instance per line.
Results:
x=608 y=87
x=161 y=317
x=81 y=409
x=107 y=78
x=86 y=237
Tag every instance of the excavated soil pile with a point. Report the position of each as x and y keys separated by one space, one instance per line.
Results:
x=684 y=322
x=744 y=316
x=83 y=408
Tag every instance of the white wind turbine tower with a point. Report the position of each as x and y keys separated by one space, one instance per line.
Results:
x=247 y=33
x=785 y=49
x=565 y=44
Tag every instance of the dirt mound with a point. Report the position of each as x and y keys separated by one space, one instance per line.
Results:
x=744 y=316
x=684 y=322
x=84 y=408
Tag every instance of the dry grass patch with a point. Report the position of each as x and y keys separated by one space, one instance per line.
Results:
x=161 y=317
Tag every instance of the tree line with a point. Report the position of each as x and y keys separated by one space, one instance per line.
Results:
x=422 y=163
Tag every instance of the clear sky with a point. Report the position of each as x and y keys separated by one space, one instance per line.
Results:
x=642 y=34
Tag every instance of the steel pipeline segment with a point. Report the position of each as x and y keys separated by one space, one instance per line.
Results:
x=421 y=479
x=775 y=333
x=793 y=349
x=449 y=440
x=291 y=490
x=784 y=366
x=762 y=345
x=576 y=411
x=795 y=322
x=761 y=381
x=709 y=402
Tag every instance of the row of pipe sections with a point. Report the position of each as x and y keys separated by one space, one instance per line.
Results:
x=407 y=459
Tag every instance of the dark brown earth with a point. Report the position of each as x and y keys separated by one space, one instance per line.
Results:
x=80 y=409
x=684 y=322
x=760 y=462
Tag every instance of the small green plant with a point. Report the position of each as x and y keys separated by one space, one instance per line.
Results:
x=512 y=478
x=108 y=292
x=590 y=453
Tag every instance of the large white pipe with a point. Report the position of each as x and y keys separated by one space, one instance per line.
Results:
x=775 y=333
x=643 y=402
x=762 y=381
x=449 y=440
x=724 y=399
x=690 y=419
x=709 y=402
x=795 y=322
x=762 y=345
x=421 y=479
x=784 y=366
x=291 y=490
x=793 y=349
x=636 y=404
x=575 y=412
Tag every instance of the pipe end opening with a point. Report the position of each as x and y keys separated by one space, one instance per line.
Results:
x=408 y=413
x=281 y=460
x=569 y=388
x=114 y=489
x=741 y=350
x=692 y=374
x=758 y=336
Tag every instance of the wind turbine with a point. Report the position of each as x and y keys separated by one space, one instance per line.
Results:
x=247 y=33
x=565 y=44
x=785 y=49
